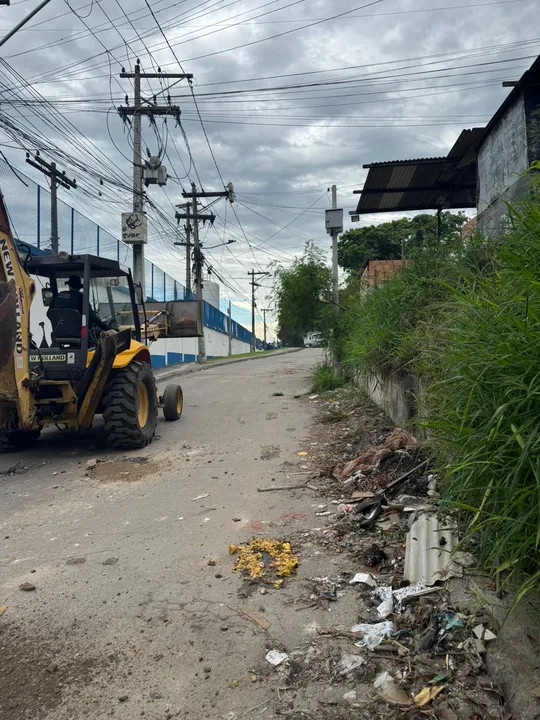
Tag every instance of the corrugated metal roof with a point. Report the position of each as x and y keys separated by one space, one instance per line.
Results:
x=426 y=183
x=428 y=550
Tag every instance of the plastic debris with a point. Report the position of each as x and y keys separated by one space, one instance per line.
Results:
x=451 y=621
x=363 y=579
x=91 y=464
x=428 y=694
x=2 y=610
x=385 y=685
x=350 y=696
x=313 y=397
x=350 y=663
x=387 y=605
x=373 y=634
x=263 y=556
x=394 y=600
x=200 y=497
x=275 y=657
x=482 y=633
x=302 y=453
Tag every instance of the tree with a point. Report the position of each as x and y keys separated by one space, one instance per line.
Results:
x=389 y=240
x=303 y=293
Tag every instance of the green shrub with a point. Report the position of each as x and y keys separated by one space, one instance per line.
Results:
x=325 y=378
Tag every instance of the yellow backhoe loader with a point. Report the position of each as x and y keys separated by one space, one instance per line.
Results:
x=90 y=365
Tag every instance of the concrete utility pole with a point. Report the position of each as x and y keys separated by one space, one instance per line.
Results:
x=23 y=22
x=188 y=245
x=196 y=216
x=137 y=110
x=264 y=311
x=335 y=269
x=229 y=313
x=254 y=305
x=57 y=179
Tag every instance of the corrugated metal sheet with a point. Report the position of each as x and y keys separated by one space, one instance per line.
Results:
x=425 y=183
x=428 y=550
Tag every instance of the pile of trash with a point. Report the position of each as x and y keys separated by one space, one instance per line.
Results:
x=409 y=651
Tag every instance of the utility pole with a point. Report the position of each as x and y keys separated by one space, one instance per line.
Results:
x=334 y=225
x=23 y=21
x=137 y=110
x=335 y=271
x=229 y=313
x=196 y=216
x=188 y=244
x=264 y=311
x=57 y=179
x=254 y=305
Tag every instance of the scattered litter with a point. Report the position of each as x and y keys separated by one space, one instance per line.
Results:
x=2 y=610
x=364 y=579
x=313 y=397
x=482 y=633
x=387 y=605
x=302 y=453
x=343 y=509
x=304 y=486
x=265 y=558
x=451 y=621
x=275 y=657
x=204 y=521
x=373 y=634
x=428 y=550
x=411 y=591
x=91 y=464
x=428 y=694
x=350 y=696
x=350 y=663
x=211 y=562
x=27 y=587
x=200 y=497
x=255 y=617
x=432 y=487
x=277 y=394
x=387 y=688
x=323 y=514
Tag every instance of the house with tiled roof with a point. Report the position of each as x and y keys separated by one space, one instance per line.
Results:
x=376 y=272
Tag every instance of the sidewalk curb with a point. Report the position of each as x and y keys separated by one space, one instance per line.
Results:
x=195 y=367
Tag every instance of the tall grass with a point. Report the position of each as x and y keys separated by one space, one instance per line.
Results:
x=484 y=405
x=325 y=378
x=468 y=319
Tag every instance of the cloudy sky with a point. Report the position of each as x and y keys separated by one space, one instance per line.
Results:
x=294 y=96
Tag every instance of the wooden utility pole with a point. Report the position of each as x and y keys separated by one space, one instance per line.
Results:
x=137 y=110
x=57 y=179
x=195 y=216
x=254 y=305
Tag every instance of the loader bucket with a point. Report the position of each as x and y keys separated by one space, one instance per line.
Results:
x=8 y=321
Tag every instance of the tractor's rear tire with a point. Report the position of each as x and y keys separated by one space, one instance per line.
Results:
x=173 y=402
x=130 y=406
x=17 y=440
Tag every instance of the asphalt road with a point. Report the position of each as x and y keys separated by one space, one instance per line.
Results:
x=127 y=617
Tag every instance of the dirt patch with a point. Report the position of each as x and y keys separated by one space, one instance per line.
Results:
x=270 y=452
x=128 y=470
x=36 y=671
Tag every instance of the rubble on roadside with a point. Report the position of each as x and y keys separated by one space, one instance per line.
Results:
x=408 y=652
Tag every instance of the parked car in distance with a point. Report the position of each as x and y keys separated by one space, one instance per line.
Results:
x=313 y=340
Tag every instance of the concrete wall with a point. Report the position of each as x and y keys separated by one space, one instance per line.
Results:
x=502 y=160
x=399 y=395
x=166 y=351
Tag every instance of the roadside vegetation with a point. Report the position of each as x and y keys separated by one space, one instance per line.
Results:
x=465 y=315
x=324 y=377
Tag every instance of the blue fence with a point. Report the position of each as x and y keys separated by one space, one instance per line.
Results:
x=28 y=205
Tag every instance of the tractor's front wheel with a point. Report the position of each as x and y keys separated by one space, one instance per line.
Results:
x=130 y=406
x=17 y=440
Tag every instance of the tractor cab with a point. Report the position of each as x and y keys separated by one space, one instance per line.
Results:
x=84 y=295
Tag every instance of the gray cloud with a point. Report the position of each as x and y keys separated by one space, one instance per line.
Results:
x=278 y=171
